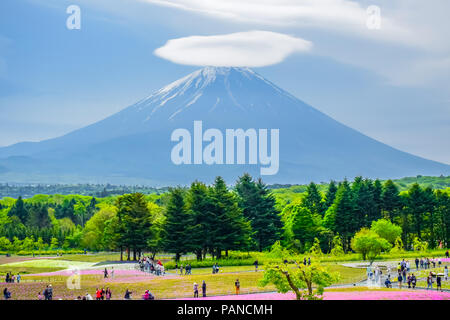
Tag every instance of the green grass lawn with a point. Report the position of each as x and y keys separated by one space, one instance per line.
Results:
x=423 y=284
x=25 y=270
x=48 y=263
x=39 y=265
x=94 y=258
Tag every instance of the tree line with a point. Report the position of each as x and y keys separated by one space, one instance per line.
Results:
x=213 y=219
x=346 y=208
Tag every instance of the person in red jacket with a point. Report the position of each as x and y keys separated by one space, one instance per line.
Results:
x=98 y=294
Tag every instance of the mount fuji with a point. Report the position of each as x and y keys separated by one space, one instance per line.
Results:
x=134 y=145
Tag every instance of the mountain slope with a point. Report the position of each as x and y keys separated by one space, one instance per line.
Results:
x=134 y=144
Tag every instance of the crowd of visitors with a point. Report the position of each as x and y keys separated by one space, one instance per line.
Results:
x=147 y=264
x=10 y=278
x=405 y=276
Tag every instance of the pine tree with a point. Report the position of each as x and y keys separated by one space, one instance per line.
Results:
x=340 y=217
x=135 y=222
x=373 y=208
x=443 y=216
x=377 y=191
x=390 y=200
x=177 y=225
x=232 y=230
x=258 y=205
x=19 y=210
x=313 y=200
x=200 y=207
x=414 y=205
x=38 y=216
x=429 y=203
x=331 y=194
x=363 y=201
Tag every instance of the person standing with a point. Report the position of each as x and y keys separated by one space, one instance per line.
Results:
x=417 y=264
x=400 y=279
x=45 y=293
x=237 y=286
x=377 y=275
x=430 y=281
x=413 y=281
x=98 y=294
x=256 y=265
x=50 y=292
x=112 y=272
x=195 y=290
x=204 y=289
x=18 y=278
x=108 y=294
x=445 y=273
x=438 y=283
x=105 y=273
x=6 y=294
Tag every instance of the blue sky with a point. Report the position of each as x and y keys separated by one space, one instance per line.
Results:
x=392 y=84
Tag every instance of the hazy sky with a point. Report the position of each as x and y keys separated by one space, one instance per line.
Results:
x=392 y=83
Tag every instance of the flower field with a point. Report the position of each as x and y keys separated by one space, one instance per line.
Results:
x=345 y=295
x=175 y=286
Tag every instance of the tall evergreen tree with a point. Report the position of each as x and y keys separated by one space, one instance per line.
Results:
x=377 y=191
x=443 y=216
x=178 y=223
x=390 y=200
x=414 y=205
x=201 y=208
x=19 y=210
x=429 y=203
x=331 y=194
x=38 y=216
x=363 y=199
x=135 y=222
x=258 y=205
x=340 y=216
x=313 y=200
x=232 y=230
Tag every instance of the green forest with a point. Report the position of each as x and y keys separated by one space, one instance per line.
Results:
x=408 y=214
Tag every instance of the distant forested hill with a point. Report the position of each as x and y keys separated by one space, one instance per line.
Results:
x=288 y=193
x=93 y=190
x=101 y=191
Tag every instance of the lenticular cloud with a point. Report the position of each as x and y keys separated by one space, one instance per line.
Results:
x=249 y=49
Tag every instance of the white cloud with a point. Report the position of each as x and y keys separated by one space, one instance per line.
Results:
x=343 y=16
x=250 y=49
